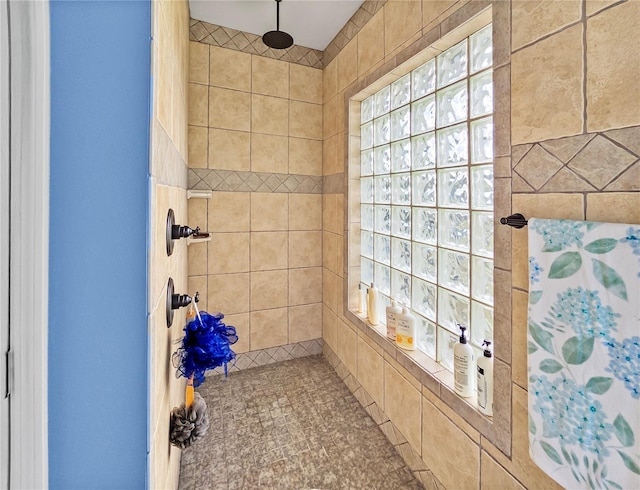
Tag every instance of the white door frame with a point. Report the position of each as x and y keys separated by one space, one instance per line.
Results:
x=4 y=242
x=29 y=241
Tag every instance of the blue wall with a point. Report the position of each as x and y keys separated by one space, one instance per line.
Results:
x=100 y=106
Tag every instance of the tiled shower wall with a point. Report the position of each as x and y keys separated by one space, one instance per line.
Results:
x=255 y=140
x=168 y=169
x=572 y=120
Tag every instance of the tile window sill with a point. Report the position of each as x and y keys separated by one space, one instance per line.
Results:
x=431 y=374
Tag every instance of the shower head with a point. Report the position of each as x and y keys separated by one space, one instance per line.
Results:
x=277 y=39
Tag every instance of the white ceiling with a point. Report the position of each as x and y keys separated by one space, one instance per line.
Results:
x=312 y=23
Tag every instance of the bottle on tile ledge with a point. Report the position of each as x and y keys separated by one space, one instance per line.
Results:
x=406 y=332
x=463 y=366
x=392 y=319
x=485 y=380
x=372 y=307
x=362 y=300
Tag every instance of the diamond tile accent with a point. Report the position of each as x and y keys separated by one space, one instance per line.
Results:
x=227 y=180
x=247 y=360
x=566 y=179
x=538 y=166
x=592 y=162
x=601 y=161
x=629 y=180
x=627 y=137
x=226 y=37
x=566 y=148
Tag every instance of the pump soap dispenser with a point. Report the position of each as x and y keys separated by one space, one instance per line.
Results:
x=485 y=380
x=463 y=365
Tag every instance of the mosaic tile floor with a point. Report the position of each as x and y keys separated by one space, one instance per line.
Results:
x=290 y=425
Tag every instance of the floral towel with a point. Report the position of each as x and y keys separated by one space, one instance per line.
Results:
x=584 y=352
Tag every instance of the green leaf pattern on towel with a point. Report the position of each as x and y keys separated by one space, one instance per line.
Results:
x=569 y=415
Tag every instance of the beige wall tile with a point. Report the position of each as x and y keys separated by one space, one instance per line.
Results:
x=613 y=68
x=197 y=213
x=330 y=290
x=339 y=223
x=305 y=120
x=614 y=207
x=198 y=104
x=229 y=211
x=197 y=258
x=348 y=64
x=305 y=322
x=305 y=212
x=552 y=206
x=269 y=289
x=402 y=403
x=269 y=77
x=330 y=211
x=495 y=477
x=241 y=322
x=228 y=293
x=445 y=446
x=199 y=284
x=269 y=153
x=519 y=373
x=431 y=9
x=371 y=43
x=536 y=18
x=228 y=253
x=402 y=19
x=330 y=80
x=269 y=328
x=546 y=88
x=305 y=249
x=329 y=328
x=199 y=63
x=305 y=83
x=229 y=150
x=330 y=118
x=330 y=251
x=370 y=371
x=198 y=145
x=305 y=286
x=347 y=346
x=593 y=6
x=269 y=211
x=230 y=69
x=269 y=250
x=269 y=115
x=305 y=156
x=330 y=155
x=229 y=109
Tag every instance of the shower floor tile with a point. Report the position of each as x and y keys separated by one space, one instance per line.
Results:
x=290 y=425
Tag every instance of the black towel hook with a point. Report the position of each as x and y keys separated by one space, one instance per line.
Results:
x=515 y=220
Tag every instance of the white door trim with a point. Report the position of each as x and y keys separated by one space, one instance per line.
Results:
x=4 y=241
x=29 y=280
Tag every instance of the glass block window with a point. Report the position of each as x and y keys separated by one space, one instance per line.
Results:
x=426 y=177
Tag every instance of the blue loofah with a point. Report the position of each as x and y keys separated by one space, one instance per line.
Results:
x=206 y=345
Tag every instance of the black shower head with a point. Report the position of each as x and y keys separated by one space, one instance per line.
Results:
x=277 y=39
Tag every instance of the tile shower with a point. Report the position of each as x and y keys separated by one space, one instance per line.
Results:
x=255 y=162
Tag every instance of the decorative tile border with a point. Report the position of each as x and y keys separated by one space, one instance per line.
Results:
x=248 y=360
x=225 y=37
x=228 y=180
x=412 y=459
x=357 y=21
x=607 y=161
